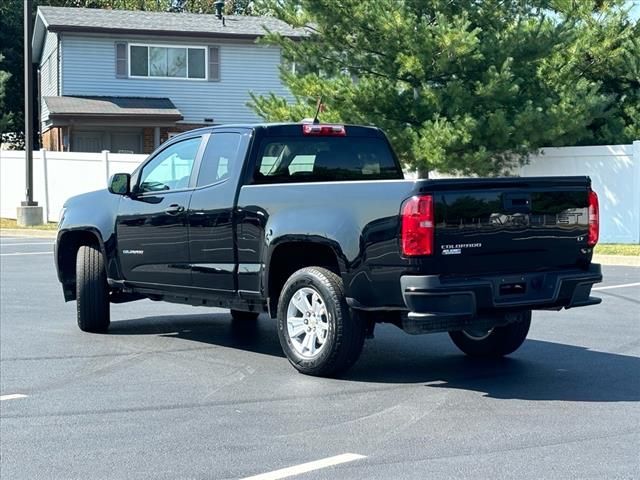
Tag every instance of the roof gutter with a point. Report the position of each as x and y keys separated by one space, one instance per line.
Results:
x=163 y=33
x=141 y=116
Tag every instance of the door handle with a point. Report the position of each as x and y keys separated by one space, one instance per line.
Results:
x=174 y=209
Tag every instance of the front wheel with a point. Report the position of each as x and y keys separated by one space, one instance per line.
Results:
x=495 y=342
x=92 y=291
x=317 y=331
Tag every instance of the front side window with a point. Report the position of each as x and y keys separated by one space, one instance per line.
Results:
x=159 y=61
x=171 y=168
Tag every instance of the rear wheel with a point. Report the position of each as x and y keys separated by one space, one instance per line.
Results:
x=240 y=315
x=92 y=292
x=494 y=342
x=317 y=331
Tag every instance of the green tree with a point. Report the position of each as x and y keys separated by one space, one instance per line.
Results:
x=5 y=116
x=463 y=86
x=605 y=51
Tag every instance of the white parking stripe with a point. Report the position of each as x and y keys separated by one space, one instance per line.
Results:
x=4 y=244
x=624 y=285
x=25 y=253
x=13 y=396
x=307 y=467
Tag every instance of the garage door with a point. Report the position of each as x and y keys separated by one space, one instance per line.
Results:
x=86 y=142
x=126 y=142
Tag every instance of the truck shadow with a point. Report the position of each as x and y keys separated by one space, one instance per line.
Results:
x=539 y=370
x=214 y=329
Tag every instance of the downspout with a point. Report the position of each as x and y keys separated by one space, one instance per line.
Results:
x=59 y=87
x=59 y=65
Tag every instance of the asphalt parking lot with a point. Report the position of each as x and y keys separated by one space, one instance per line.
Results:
x=182 y=392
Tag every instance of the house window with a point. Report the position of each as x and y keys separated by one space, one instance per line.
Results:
x=165 y=61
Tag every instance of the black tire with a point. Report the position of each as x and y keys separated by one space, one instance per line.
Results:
x=345 y=333
x=92 y=292
x=499 y=341
x=243 y=316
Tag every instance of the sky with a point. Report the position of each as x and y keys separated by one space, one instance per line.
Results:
x=635 y=9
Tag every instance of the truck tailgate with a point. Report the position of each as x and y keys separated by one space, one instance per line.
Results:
x=511 y=224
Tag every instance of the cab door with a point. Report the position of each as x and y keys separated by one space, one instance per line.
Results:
x=211 y=212
x=152 y=229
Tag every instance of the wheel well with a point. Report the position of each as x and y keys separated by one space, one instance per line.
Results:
x=291 y=257
x=68 y=247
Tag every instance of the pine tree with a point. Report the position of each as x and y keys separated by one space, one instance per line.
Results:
x=5 y=116
x=461 y=86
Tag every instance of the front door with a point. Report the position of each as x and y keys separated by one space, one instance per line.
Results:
x=152 y=229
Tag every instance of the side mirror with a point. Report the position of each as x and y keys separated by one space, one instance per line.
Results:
x=120 y=184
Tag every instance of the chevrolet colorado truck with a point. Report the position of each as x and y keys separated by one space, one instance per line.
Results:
x=316 y=225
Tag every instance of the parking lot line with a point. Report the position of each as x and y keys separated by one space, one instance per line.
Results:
x=624 y=285
x=5 y=244
x=24 y=253
x=307 y=467
x=13 y=396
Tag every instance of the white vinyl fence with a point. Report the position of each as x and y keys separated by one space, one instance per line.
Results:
x=57 y=176
x=614 y=170
x=615 y=177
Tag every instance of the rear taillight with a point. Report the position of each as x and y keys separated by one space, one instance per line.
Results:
x=594 y=219
x=417 y=226
x=324 y=130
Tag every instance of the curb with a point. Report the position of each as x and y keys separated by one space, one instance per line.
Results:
x=28 y=232
x=623 y=260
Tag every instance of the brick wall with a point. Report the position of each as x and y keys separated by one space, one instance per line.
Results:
x=147 y=140
x=148 y=134
x=51 y=139
x=178 y=128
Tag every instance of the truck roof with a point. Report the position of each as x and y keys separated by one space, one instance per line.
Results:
x=293 y=129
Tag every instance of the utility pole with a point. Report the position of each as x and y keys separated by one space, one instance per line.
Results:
x=28 y=213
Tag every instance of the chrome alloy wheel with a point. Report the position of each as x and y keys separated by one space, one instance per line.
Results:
x=307 y=322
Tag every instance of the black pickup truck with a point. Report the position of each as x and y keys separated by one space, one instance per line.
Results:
x=316 y=225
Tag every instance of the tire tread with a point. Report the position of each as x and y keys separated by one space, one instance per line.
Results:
x=502 y=341
x=349 y=327
x=92 y=293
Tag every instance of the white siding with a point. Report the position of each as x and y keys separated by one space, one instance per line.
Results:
x=48 y=70
x=89 y=69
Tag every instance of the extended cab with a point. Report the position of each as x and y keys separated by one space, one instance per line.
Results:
x=316 y=225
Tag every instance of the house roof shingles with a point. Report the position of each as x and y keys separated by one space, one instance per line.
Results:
x=112 y=106
x=61 y=19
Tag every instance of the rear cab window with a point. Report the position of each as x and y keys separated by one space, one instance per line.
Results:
x=302 y=158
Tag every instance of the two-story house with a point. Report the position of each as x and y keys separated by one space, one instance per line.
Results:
x=125 y=81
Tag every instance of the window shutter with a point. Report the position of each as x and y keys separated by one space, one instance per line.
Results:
x=121 y=60
x=214 y=64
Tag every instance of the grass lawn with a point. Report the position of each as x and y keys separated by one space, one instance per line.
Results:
x=10 y=223
x=617 y=249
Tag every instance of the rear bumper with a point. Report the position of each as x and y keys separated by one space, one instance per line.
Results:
x=433 y=300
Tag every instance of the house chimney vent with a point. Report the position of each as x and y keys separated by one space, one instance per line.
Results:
x=219 y=5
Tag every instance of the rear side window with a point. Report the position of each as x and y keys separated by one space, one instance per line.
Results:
x=323 y=159
x=219 y=159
